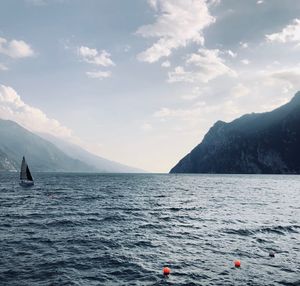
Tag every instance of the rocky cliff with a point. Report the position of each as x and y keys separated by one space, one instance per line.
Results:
x=266 y=143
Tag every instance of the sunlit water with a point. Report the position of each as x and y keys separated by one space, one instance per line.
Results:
x=122 y=229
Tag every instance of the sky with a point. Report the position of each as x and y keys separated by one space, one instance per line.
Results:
x=141 y=81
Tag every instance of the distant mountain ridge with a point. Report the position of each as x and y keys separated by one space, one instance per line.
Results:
x=41 y=155
x=101 y=164
x=265 y=143
x=44 y=156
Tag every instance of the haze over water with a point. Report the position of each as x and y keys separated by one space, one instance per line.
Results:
x=122 y=229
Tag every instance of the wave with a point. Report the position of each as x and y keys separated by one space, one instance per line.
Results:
x=279 y=229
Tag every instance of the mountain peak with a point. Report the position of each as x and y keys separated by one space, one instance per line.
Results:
x=296 y=98
x=219 y=123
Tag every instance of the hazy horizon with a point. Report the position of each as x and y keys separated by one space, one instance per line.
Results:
x=141 y=82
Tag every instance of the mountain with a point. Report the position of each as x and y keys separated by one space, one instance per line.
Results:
x=40 y=154
x=101 y=164
x=46 y=153
x=265 y=143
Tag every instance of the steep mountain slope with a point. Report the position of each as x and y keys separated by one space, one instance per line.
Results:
x=101 y=164
x=267 y=143
x=16 y=141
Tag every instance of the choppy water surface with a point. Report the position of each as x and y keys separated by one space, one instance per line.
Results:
x=122 y=229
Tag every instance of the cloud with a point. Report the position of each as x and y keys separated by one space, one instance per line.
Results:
x=3 y=67
x=240 y=90
x=99 y=74
x=166 y=64
x=244 y=45
x=99 y=58
x=186 y=114
x=178 y=23
x=196 y=92
x=290 y=77
x=231 y=53
x=15 y=49
x=213 y=2
x=245 y=62
x=163 y=112
x=205 y=66
x=291 y=33
x=92 y=56
x=191 y=117
x=180 y=74
x=260 y=2
x=12 y=107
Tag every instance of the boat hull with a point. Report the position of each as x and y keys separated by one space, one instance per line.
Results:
x=26 y=184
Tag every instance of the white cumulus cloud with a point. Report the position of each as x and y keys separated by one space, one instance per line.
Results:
x=178 y=23
x=291 y=33
x=15 y=48
x=204 y=66
x=12 y=107
x=98 y=58
x=92 y=56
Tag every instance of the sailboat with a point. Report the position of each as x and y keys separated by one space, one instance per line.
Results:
x=26 y=179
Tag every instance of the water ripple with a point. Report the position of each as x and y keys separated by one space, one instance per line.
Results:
x=122 y=229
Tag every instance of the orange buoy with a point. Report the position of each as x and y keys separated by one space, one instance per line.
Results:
x=237 y=263
x=166 y=271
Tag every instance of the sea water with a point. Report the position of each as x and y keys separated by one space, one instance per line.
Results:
x=122 y=229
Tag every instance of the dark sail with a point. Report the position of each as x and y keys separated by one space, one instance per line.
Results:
x=25 y=172
x=29 y=177
x=23 y=175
